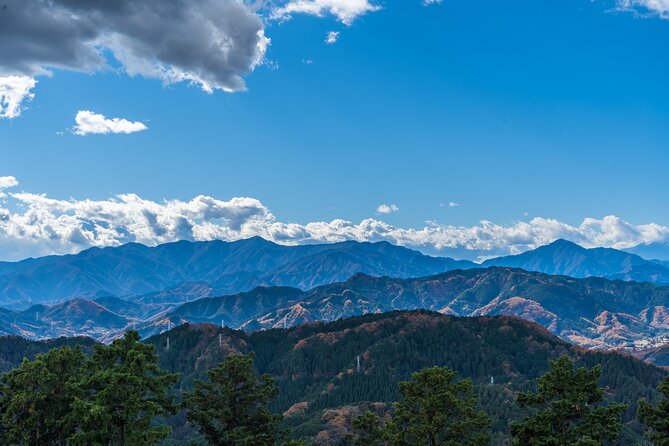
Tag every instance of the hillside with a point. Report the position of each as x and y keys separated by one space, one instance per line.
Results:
x=226 y=267
x=591 y=312
x=658 y=355
x=322 y=389
x=315 y=365
x=14 y=348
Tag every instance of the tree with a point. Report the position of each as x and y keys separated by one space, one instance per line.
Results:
x=656 y=419
x=124 y=390
x=436 y=410
x=568 y=409
x=36 y=399
x=231 y=408
x=369 y=430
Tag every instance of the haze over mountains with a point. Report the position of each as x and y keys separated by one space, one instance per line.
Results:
x=569 y=259
x=225 y=267
x=184 y=270
x=255 y=284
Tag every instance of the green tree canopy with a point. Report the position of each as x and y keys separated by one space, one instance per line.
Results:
x=231 y=408
x=124 y=391
x=567 y=410
x=656 y=419
x=436 y=409
x=36 y=399
x=369 y=430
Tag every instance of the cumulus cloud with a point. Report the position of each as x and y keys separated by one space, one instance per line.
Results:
x=346 y=11
x=34 y=224
x=210 y=43
x=387 y=209
x=13 y=91
x=657 y=7
x=332 y=37
x=6 y=183
x=88 y=122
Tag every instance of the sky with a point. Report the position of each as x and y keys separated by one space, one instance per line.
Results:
x=460 y=128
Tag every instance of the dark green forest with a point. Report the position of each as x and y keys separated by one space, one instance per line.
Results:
x=328 y=374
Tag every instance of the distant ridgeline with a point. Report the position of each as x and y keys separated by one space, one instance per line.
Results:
x=322 y=388
x=103 y=292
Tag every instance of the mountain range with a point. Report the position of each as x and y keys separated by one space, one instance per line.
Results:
x=220 y=267
x=563 y=257
x=182 y=271
x=254 y=284
x=592 y=312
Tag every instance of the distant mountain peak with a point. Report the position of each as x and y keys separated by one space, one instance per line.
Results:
x=564 y=243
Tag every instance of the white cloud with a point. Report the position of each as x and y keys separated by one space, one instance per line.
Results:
x=13 y=91
x=346 y=11
x=657 y=7
x=88 y=122
x=387 y=209
x=431 y=2
x=6 y=183
x=332 y=37
x=34 y=224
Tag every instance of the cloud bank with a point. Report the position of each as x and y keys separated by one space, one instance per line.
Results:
x=33 y=224
x=88 y=122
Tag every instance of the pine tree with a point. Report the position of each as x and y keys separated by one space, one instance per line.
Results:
x=656 y=419
x=369 y=430
x=231 y=408
x=438 y=410
x=36 y=399
x=567 y=410
x=124 y=391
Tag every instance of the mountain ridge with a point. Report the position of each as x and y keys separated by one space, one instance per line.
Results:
x=563 y=257
x=227 y=267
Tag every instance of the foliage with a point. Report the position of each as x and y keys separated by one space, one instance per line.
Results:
x=568 y=409
x=231 y=408
x=123 y=391
x=369 y=430
x=36 y=399
x=436 y=410
x=656 y=418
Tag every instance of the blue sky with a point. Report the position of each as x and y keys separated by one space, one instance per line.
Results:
x=513 y=110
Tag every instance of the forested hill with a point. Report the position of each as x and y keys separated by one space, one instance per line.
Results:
x=14 y=348
x=591 y=312
x=316 y=364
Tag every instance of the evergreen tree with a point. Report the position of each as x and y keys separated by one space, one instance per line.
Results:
x=567 y=410
x=124 y=391
x=438 y=410
x=36 y=399
x=231 y=408
x=656 y=419
x=369 y=430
